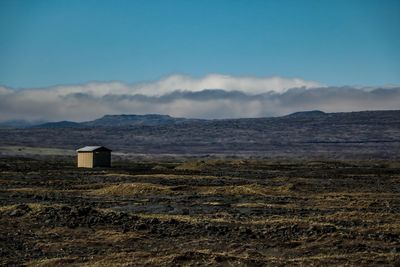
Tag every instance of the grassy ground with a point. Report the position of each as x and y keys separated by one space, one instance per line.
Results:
x=195 y=213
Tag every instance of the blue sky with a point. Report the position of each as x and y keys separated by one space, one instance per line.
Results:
x=43 y=43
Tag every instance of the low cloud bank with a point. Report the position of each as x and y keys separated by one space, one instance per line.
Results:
x=212 y=96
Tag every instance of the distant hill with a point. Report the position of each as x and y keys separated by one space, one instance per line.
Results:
x=307 y=114
x=19 y=123
x=134 y=120
x=60 y=124
x=355 y=135
x=119 y=121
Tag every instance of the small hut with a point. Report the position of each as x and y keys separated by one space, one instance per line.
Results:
x=94 y=156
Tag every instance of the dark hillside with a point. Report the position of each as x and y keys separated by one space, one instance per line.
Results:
x=369 y=134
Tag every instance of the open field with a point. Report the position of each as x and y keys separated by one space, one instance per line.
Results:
x=195 y=213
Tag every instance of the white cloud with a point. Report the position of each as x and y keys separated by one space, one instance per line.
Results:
x=169 y=84
x=247 y=84
x=4 y=90
x=184 y=96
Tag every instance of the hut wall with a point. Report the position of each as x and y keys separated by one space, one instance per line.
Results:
x=85 y=159
x=102 y=159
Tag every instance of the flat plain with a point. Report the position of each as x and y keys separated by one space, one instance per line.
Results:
x=215 y=212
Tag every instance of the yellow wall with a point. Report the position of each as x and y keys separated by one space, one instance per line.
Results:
x=85 y=160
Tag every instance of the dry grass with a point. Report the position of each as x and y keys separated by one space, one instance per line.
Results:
x=365 y=195
x=122 y=259
x=34 y=206
x=237 y=216
x=278 y=220
x=130 y=189
x=118 y=175
x=266 y=205
x=80 y=237
x=33 y=190
x=194 y=219
x=177 y=176
x=349 y=258
x=191 y=166
x=250 y=189
x=348 y=200
x=111 y=236
x=202 y=164
x=205 y=257
x=214 y=203
x=65 y=261
x=100 y=235
x=366 y=216
x=161 y=176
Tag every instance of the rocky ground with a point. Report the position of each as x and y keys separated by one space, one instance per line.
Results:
x=196 y=213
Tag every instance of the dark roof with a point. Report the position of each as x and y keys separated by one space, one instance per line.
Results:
x=92 y=149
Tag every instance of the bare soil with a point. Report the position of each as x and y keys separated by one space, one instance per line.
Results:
x=196 y=213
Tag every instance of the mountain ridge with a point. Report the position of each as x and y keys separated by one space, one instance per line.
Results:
x=362 y=135
x=131 y=120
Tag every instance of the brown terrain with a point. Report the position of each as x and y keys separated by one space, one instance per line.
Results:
x=211 y=212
